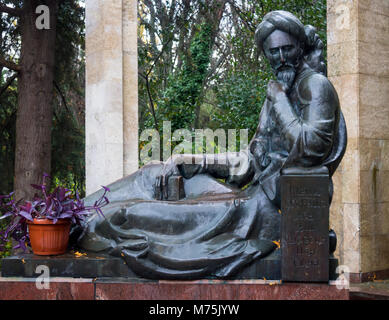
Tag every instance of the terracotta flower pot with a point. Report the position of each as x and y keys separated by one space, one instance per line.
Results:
x=48 y=238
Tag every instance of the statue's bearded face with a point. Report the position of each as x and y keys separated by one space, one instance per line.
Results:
x=284 y=53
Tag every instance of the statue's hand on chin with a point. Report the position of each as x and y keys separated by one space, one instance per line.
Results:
x=275 y=89
x=169 y=169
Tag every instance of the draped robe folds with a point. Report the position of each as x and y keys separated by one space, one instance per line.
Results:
x=217 y=229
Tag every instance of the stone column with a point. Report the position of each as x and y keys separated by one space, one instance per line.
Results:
x=111 y=91
x=358 y=66
x=130 y=87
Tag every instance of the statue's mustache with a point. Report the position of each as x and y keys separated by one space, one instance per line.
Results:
x=284 y=66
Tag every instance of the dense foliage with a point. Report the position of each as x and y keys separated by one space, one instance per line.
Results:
x=68 y=134
x=199 y=66
x=9 y=47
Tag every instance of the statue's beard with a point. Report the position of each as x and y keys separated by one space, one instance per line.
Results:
x=286 y=76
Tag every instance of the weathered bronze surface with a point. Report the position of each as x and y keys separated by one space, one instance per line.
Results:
x=217 y=229
x=305 y=225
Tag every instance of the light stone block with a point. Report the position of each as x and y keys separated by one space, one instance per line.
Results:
x=351 y=223
x=131 y=38
x=379 y=53
x=130 y=88
x=384 y=157
x=374 y=123
x=382 y=186
x=368 y=256
x=369 y=218
x=374 y=252
x=352 y=259
x=376 y=6
x=373 y=27
x=333 y=6
x=343 y=57
x=130 y=9
x=95 y=163
x=111 y=91
x=347 y=88
x=370 y=158
x=351 y=241
x=342 y=23
x=350 y=177
x=374 y=90
x=369 y=186
x=375 y=219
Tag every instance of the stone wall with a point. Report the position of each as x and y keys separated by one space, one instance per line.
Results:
x=358 y=62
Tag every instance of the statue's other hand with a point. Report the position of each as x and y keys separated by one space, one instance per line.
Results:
x=274 y=89
x=161 y=184
x=257 y=147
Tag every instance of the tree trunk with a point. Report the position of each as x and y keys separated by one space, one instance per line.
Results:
x=35 y=97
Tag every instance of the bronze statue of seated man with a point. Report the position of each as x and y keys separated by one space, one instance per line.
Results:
x=217 y=228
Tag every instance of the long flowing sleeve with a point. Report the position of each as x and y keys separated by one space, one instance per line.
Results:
x=235 y=167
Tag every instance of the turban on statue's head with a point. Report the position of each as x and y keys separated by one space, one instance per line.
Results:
x=279 y=20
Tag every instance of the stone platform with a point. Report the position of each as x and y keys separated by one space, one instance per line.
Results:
x=93 y=265
x=132 y=289
x=80 y=276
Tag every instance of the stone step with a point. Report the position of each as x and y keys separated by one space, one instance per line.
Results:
x=135 y=289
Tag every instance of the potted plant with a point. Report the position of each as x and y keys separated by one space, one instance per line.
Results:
x=45 y=221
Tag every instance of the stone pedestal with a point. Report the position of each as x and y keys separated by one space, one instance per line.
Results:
x=122 y=289
x=358 y=66
x=111 y=122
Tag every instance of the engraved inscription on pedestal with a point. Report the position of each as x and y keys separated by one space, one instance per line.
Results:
x=305 y=225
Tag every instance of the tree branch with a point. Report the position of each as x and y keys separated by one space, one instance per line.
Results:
x=62 y=96
x=9 y=64
x=152 y=108
x=8 y=83
x=241 y=16
x=12 y=11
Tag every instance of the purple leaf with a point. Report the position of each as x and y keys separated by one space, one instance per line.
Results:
x=27 y=207
x=100 y=212
x=65 y=215
x=26 y=215
x=85 y=212
x=106 y=189
x=6 y=215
